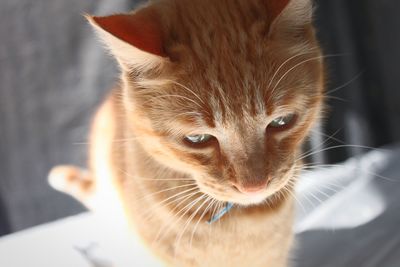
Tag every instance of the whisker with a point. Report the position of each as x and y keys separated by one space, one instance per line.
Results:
x=322 y=143
x=186 y=88
x=198 y=222
x=112 y=141
x=170 y=200
x=321 y=192
x=125 y=140
x=295 y=198
x=185 y=210
x=163 y=179
x=299 y=64
x=284 y=63
x=379 y=176
x=186 y=225
x=326 y=184
x=334 y=147
x=81 y=143
x=316 y=198
x=167 y=190
x=355 y=168
x=308 y=200
x=336 y=98
x=329 y=186
x=347 y=83
x=331 y=137
x=322 y=166
x=177 y=96
x=192 y=113
x=137 y=177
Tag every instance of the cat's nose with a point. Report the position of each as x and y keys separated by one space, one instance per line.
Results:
x=251 y=188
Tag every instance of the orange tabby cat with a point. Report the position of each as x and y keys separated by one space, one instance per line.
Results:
x=215 y=100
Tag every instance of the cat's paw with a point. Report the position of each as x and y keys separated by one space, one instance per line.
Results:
x=73 y=181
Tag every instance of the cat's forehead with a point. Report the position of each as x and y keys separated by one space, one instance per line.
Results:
x=208 y=31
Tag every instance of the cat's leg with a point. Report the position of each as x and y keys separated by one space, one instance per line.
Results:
x=73 y=181
x=94 y=188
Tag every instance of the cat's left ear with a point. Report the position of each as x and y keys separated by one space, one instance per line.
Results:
x=289 y=14
x=134 y=39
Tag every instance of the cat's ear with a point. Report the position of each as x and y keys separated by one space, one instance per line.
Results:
x=289 y=14
x=134 y=39
x=276 y=7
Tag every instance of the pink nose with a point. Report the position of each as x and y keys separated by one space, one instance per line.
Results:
x=251 y=189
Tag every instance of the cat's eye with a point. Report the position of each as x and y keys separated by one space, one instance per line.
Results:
x=282 y=122
x=198 y=138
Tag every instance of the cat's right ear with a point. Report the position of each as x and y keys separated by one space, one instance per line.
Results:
x=134 y=39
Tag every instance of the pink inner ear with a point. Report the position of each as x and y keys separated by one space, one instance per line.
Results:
x=275 y=7
x=139 y=30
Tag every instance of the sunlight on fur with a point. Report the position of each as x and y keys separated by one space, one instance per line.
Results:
x=215 y=101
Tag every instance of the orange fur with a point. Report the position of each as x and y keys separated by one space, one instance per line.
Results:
x=227 y=68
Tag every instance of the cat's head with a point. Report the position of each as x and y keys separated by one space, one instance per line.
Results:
x=225 y=91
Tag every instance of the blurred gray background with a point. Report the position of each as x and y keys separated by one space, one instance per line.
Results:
x=53 y=73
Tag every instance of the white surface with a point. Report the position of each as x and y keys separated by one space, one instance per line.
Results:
x=64 y=243
x=343 y=196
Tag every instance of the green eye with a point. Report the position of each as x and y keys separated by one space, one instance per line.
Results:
x=198 y=138
x=282 y=122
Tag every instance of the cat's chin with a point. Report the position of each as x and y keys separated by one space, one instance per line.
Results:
x=263 y=198
x=260 y=198
x=253 y=200
x=272 y=194
x=245 y=199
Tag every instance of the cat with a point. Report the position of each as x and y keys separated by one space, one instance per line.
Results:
x=215 y=100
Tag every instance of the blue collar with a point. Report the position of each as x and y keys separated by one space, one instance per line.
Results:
x=222 y=212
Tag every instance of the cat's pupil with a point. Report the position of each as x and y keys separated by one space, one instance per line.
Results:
x=198 y=138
